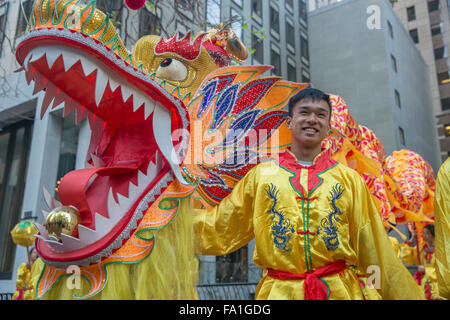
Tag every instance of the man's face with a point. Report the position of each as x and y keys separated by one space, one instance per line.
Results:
x=309 y=122
x=427 y=236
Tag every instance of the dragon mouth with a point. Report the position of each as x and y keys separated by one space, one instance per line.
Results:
x=132 y=156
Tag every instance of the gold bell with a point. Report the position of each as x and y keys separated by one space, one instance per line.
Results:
x=62 y=220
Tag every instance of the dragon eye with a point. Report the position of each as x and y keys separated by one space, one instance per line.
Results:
x=172 y=69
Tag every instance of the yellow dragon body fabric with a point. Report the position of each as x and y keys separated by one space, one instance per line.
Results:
x=174 y=127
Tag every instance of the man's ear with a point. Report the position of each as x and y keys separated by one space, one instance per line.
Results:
x=288 y=122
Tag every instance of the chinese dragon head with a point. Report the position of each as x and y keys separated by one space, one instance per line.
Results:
x=174 y=125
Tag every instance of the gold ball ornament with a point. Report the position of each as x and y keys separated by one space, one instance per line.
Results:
x=23 y=233
x=62 y=220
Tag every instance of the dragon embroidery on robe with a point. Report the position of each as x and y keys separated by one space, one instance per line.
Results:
x=281 y=228
x=173 y=126
x=327 y=225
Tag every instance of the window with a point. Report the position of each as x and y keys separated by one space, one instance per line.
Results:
x=397 y=99
x=238 y=2
x=24 y=16
x=275 y=60
x=444 y=77
x=434 y=5
x=232 y=267
x=289 y=5
x=414 y=35
x=258 y=48
x=290 y=35
x=394 y=63
x=402 y=135
x=437 y=28
x=148 y=23
x=237 y=24
x=390 y=30
x=257 y=7
x=445 y=104
x=274 y=20
x=447 y=129
x=114 y=8
x=68 y=147
x=292 y=71
x=411 y=13
x=305 y=77
x=3 y=17
x=302 y=10
x=15 y=142
x=304 y=47
x=440 y=53
x=213 y=12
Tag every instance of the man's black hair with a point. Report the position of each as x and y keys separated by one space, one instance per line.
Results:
x=308 y=93
x=430 y=228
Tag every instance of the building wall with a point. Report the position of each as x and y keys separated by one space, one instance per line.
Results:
x=351 y=57
x=271 y=38
x=423 y=22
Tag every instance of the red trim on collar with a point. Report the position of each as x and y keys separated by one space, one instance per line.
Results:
x=321 y=162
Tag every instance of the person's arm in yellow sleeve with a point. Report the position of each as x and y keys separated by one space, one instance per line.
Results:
x=375 y=252
x=23 y=273
x=409 y=254
x=229 y=225
x=395 y=245
x=442 y=225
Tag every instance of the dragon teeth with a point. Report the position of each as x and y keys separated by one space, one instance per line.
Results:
x=113 y=84
x=70 y=57
x=51 y=57
x=87 y=235
x=51 y=202
x=88 y=66
x=126 y=92
x=100 y=86
x=50 y=93
x=162 y=123
x=69 y=60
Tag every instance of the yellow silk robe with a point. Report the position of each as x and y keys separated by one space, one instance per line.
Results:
x=395 y=245
x=429 y=279
x=24 y=283
x=442 y=225
x=303 y=218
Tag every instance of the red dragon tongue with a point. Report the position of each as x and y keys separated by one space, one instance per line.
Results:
x=73 y=186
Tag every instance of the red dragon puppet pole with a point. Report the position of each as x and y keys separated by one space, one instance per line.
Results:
x=418 y=276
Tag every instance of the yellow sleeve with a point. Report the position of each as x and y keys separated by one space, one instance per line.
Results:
x=409 y=254
x=229 y=225
x=442 y=224
x=375 y=252
x=395 y=245
x=23 y=275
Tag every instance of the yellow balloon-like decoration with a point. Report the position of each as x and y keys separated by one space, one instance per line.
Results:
x=23 y=233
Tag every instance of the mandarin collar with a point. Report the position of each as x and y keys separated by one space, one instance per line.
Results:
x=321 y=160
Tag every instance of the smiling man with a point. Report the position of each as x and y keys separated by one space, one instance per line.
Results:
x=313 y=220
